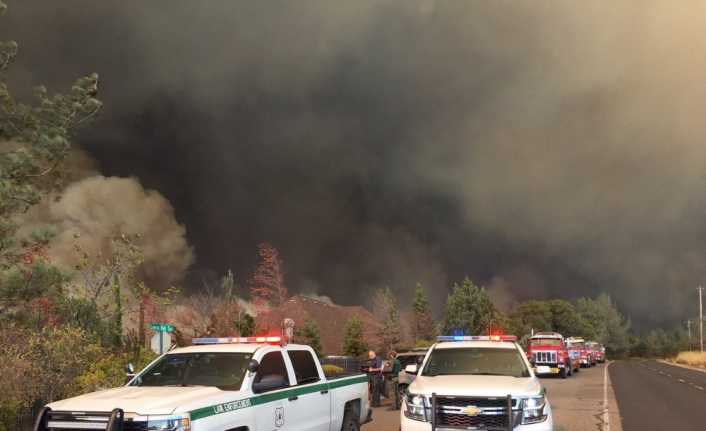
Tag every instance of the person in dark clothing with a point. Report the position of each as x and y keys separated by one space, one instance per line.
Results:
x=396 y=367
x=375 y=373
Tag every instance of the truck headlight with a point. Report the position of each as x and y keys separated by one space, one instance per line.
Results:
x=533 y=410
x=169 y=423
x=415 y=407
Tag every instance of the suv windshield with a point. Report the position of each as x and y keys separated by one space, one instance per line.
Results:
x=545 y=342
x=476 y=361
x=222 y=370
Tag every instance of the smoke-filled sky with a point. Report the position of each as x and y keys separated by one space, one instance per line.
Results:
x=543 y=148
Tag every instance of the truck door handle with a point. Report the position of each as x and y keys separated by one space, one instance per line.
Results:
x=325 y=391
x=293 y=398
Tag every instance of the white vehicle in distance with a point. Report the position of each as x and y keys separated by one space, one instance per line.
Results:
x=222 y=384
x=476 y=382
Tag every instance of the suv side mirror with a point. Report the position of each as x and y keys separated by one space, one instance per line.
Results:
x=269 y=382
x=253 y=366
x=411 y=369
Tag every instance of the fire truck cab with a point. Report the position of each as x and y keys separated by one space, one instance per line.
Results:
x=547 y=351
x=578 y=349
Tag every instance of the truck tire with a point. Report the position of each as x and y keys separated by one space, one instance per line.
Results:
x=350 y=421
x=563 y=373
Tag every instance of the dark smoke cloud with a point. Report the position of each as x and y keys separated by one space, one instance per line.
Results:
x=547 y=148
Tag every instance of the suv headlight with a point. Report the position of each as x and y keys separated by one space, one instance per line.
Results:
x=415 y=407
x=533 y=410
x=169 y=423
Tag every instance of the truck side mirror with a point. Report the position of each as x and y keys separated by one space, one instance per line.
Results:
x=253 y=366
x=129 y=372
x=411 y=369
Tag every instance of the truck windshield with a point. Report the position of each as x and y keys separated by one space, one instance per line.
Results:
x=545 y=342
x=222 y=370
x=476 y=361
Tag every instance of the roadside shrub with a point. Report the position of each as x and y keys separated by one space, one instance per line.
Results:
x=109 y=370
x=692 y=359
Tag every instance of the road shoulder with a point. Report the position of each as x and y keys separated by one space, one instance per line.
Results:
x=674 y=364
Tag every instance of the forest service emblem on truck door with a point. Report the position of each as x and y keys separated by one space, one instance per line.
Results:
x=279 y=417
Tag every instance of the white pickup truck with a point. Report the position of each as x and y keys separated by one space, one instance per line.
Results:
x=475 y=382
x=222 y=384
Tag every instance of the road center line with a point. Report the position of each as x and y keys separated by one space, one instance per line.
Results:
x=606 y=416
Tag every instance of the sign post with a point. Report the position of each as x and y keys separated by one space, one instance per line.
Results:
x=161 y=337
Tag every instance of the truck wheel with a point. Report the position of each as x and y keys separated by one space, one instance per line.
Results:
x=563 y=373
x=350 y=422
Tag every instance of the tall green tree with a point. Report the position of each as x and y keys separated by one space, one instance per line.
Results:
x=468 y=309
x=387 y=311
x=34 y=142
x=530 y=316
x=309 y=335
x=422 y=321
x=353 y=343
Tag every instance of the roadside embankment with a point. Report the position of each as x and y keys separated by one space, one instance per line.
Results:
x=692 y=359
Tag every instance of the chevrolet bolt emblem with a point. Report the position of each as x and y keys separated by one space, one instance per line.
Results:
x=471 y=411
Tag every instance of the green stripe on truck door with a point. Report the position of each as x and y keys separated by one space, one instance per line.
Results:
x=244 y=403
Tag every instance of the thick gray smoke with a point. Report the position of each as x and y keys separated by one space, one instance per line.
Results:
x=91 y=212
x=546 y=148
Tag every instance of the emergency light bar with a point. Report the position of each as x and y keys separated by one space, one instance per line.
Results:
x=511 y=338
x=237 y=340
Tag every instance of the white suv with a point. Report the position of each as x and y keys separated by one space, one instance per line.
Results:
x=475 y=382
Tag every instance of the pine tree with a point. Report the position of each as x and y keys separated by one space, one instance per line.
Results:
x=353 y=344
x=387 y=311
x=309 y=335
x=468 y=309
x=422 y=320
x=267 y=283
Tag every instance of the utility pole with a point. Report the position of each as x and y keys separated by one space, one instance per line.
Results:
x=701 y=319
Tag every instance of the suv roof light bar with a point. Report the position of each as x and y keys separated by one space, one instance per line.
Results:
x=511 y=338
x=237 y=340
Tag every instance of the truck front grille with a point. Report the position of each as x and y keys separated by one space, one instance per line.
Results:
x=477 y=413
x=74 y=421
x=544 y=357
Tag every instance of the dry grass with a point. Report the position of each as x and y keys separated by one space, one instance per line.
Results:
x=693 y=359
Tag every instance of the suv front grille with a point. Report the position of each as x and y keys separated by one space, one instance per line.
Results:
x=477 y=413
x=544 y=357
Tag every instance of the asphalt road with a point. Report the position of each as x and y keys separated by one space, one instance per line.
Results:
x=655 y=396
x=583 y=402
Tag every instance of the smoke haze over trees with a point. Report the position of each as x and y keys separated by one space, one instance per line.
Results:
x=555 y=149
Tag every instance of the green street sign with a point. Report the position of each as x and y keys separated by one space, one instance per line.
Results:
x=162 y=327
